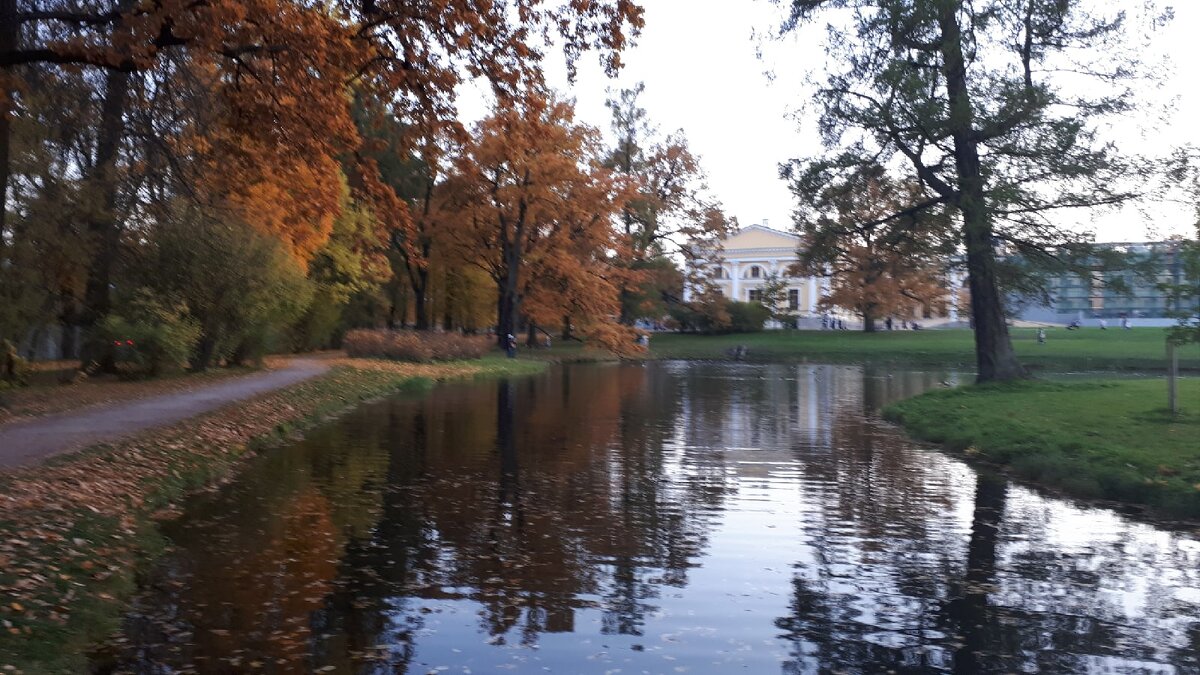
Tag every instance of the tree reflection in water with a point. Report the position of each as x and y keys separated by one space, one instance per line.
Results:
x=704 y=517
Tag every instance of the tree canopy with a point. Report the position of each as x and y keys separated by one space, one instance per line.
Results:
x=970 y=98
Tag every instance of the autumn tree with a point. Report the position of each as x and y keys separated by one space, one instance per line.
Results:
x=671 y=214
x=534 y=211
x=965 y=95
x=242 y=104
x=882 y=256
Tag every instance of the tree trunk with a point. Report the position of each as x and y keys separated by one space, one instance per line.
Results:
x=202 y=358
x=868 y=322
x=420 y=310
x=8 y=43
x=994 y=355
x=69 y=319
x=508 y=284
x=418 y=278
x=531 y=336
x=104 y=228
x=567 y=334
x=626 y=300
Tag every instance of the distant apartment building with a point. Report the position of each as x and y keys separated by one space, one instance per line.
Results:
x=1116 y=294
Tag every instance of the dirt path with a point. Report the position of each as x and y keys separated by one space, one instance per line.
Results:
x=29 y=442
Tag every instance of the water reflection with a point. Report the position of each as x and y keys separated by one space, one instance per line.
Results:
x=658 y=518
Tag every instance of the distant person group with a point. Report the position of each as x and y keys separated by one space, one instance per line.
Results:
x=833 y=323
x=1102 y=323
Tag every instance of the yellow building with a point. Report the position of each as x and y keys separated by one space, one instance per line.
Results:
x=756 y=252
x=747 y=258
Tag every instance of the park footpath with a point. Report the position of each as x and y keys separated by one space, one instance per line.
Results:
x=28 y=442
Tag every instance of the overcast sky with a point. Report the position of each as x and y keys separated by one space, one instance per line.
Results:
x=700 y=62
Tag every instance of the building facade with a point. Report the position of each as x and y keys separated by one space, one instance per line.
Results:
x=748 y=258
x=1117 y=294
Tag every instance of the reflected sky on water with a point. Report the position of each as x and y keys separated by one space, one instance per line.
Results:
x=660 y=518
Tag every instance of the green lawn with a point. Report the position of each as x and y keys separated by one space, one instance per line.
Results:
x=1087 y=349
x=1094 y=439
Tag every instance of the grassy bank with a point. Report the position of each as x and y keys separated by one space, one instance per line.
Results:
x=1095 y=439
x=73 y=531
x=1088 y=349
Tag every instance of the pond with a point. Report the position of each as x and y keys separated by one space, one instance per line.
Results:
x=657 y=518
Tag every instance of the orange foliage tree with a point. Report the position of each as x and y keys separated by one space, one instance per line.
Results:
x=265 y=118
x=670 y=213
x=882 y=257
x=534 y=210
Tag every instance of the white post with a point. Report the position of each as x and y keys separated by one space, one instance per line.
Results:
x=734 y=285
x=1172 y=377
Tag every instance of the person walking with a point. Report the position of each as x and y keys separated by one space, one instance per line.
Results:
x=510 y=343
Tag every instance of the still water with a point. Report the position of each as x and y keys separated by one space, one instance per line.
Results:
x=658 y=518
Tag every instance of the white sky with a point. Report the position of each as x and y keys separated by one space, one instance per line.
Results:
x=699 y=60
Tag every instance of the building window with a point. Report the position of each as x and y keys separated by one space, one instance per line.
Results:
x=755 y=295
x=719 y=273
x=755 y=272
x=793 y=299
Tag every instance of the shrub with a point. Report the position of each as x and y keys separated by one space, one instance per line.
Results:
x=149 y=336
x=407 y=345
x=747 y=317
x=240 y=285
x=13 y=368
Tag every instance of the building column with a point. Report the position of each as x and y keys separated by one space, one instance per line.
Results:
x=812 y=295
x=734 y=276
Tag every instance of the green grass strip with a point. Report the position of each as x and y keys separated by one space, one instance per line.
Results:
x=1087 y=349
x=1096 y=439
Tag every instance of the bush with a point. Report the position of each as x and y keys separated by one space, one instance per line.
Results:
x=407 y=345
x=747 y=317
x=13 y=368
x=149 y=337
x=241 y=286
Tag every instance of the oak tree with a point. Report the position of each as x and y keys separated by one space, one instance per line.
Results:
x=534 y=211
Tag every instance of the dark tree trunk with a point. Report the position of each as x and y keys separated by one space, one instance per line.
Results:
x=994 y=354
x=418 y=278
x=626 y=298
x=69 y=319
x=509 y=303
x=507 y=307
x=203 y=356
x=8 y=43
x=567 y=333
x=531 y=336
x=420 y=309
x=868 y=323
x=104 y=228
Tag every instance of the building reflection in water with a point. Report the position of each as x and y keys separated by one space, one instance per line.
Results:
x=704 y=517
